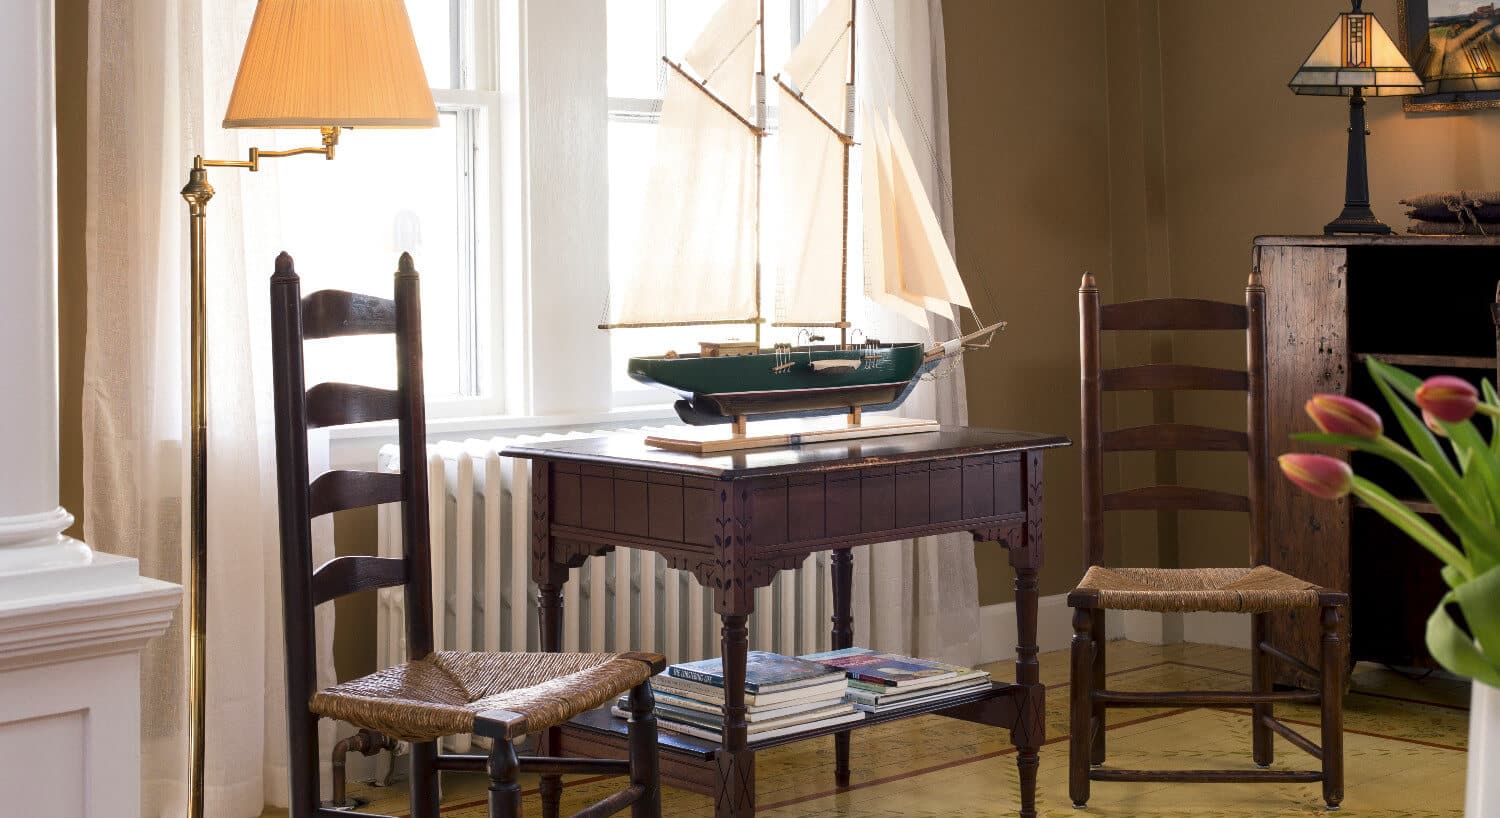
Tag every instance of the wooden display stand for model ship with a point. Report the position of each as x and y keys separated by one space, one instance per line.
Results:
x=785 y=432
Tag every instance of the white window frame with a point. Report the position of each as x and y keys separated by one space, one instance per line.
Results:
x=482 y=303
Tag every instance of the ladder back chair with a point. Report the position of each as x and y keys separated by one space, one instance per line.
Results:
x=1257 y=590
x=500 y=696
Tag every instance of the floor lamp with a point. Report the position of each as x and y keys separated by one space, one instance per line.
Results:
x=325 y=64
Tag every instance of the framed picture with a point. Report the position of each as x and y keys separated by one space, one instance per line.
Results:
x=1454 y=45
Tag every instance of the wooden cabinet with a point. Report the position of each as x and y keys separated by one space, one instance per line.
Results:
x=1420 y=303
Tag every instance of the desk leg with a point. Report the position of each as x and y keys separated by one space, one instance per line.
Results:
x=735 y=796
x=1026 y=559
x=549 y=577
x=842 y=570
x=550 y=617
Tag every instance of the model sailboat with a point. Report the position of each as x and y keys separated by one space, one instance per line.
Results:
x=701 y=261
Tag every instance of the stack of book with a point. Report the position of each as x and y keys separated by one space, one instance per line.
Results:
x=883 y=682
x=784 y=696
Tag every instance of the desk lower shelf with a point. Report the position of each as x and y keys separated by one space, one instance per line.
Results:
x=688 y=761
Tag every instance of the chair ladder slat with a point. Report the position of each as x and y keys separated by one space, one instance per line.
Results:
x=337 y=313
x=1178 y=436
x=345 y=489
x=1173 y=314
x=346 y=575
x=339 y=404
x=1173 y=376
x=1175 y=498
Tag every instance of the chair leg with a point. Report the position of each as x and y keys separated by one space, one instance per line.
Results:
x=1079 y=745
x=1333 y=707
x=424 y=780
x=1101 y=639
x=1263 y=740
x=505 y=786
x=550 y=786
x=644 y=767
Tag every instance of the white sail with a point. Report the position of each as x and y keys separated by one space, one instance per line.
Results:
x=813 y=167
x=908 y=266
x=697 y=260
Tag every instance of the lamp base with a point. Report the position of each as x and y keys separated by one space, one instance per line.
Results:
x=1358 y=221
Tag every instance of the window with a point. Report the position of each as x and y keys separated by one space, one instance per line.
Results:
x=428 y=192
x=639 y=33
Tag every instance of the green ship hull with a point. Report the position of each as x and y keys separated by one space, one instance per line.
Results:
x=718 y=389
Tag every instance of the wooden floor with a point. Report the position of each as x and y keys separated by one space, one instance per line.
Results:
x=1404 y=751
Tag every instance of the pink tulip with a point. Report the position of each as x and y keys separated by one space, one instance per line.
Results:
x=1338 y=415
x=1432 y=424
x=1449 y=399
x=1324 y=477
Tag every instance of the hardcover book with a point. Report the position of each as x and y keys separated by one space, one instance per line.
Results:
x=703 y=721
x=887 y=669
x=713 y=734
x=764 y=672
x=666 y=700
x=832 y=688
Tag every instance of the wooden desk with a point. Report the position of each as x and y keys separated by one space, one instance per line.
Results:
x=733 y=521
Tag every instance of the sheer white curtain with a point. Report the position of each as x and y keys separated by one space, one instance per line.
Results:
x=159 y=75
x=917 y=596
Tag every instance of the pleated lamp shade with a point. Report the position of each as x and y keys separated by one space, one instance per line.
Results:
x=331 y=63
x=1356 y=53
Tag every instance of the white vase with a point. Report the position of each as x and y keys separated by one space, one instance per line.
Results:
x=1483 y=791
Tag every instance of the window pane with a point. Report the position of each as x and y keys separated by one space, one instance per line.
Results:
x=634 y=56
x=432 y=24
x=347 y=221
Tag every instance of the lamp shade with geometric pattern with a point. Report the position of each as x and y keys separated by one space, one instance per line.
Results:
x=1356 y=53
x=331 y=63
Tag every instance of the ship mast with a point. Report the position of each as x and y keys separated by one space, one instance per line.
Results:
x=760 y=138
x=848 y=147
x=808 y=58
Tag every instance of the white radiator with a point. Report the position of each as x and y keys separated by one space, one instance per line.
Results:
x=627 y=600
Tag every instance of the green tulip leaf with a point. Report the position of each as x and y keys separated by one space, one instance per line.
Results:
x=1457 y=508
x=1479 y=459
x=1479 y=599
x=1412 y=523
x=1401 y=380
x=1454 y=650
x=1421 y=437
x=1452 y=576
x=1493 y=399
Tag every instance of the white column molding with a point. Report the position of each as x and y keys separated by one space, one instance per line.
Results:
x=31 y=523
x=72 y=622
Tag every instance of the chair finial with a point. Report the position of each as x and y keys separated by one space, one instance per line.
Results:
x=1088 y=282
x=284 y=266
x=405 y=266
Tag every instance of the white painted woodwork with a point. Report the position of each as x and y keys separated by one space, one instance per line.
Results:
x=72 y=622
x=70 y=717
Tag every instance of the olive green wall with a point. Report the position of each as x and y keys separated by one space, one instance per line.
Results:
x=72 y=38
x=1055 y=174
x=1166 y=135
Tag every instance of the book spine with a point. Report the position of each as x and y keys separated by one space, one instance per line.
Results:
x=696 y=676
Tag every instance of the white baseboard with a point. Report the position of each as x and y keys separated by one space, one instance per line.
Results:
x=1227 y=629
x=997 y=628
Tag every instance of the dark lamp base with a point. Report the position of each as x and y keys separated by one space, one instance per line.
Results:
x=1357 y=220
x=1365 y=225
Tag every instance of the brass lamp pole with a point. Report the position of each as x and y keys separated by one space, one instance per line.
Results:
x=325 y=64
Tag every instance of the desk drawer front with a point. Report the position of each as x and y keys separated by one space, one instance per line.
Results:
x=635 y=503
x=854 y=502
